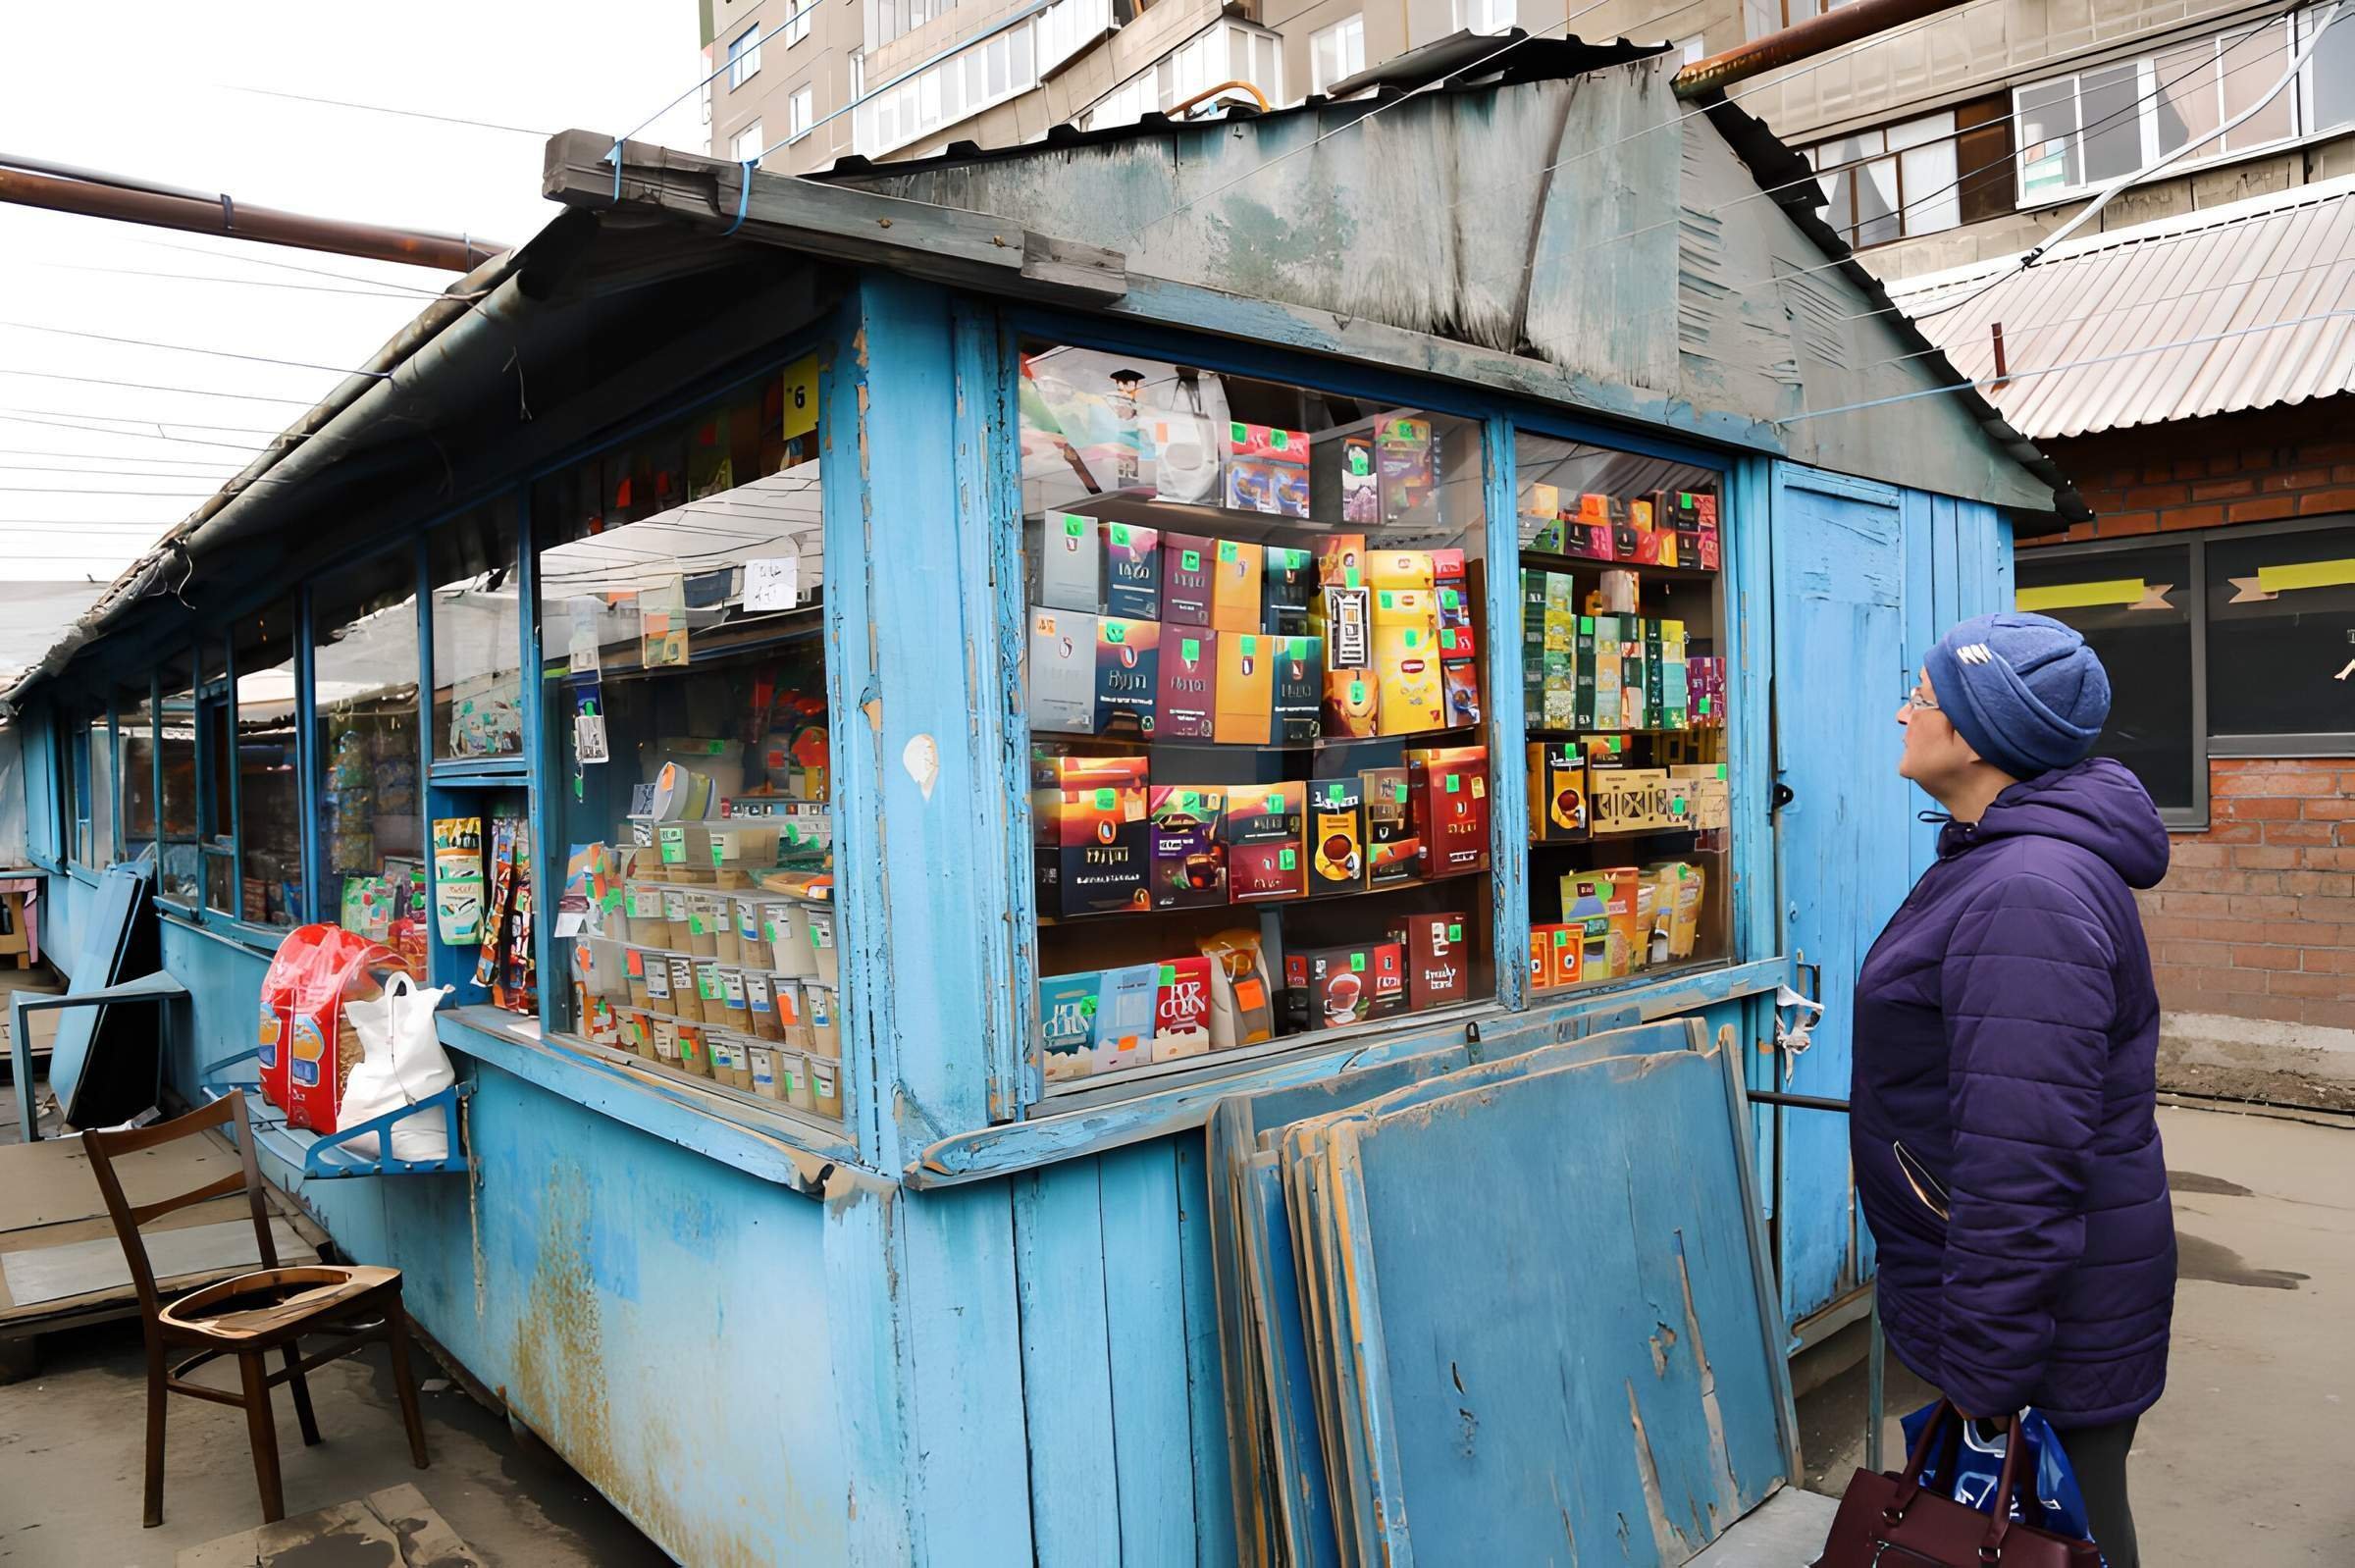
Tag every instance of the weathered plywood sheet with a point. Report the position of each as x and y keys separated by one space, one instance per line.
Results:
x=39 y=1275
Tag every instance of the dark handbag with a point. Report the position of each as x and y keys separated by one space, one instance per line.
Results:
x=1889 y=1521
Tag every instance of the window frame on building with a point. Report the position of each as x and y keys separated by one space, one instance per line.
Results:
x=743 y=57
x=1979 y=189
x=795 y=25
x=749 y=137
x=1488 y=17
x=801 y=113
x=1346 y=40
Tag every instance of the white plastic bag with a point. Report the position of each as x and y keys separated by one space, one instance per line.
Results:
x=402 y=1062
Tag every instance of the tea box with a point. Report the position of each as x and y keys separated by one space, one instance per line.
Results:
x=1393 y=852
x=1069 y=563
x=1299 y=696
x=1128 y=676
x=1449 y=788
x=1185 y=708
x=1188 y=859
x=1063 y=671
x=1287 y=591
x=1234 y=585
x=1244 y=703
x=1266 y=826
x=1337 y=835
x=1437 y=959
x=1093 y=834
x=1131 y=571
x=1557 y=792
x=1185 y=572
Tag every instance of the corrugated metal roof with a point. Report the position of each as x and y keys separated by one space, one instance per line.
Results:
x=2244 y=306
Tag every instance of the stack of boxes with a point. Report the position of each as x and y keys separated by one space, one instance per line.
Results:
x=1616 y=921
x=1588 y=672
x=1662 y=528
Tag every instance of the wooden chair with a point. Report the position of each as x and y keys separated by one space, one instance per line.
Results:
x=250 y=1315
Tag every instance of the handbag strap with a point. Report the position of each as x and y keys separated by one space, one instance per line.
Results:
x=2015 y=1439
x=1910 y=1482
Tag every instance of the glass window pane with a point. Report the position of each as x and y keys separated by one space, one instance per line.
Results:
x=683 y=655
x=478 y=658
x=2280 y=628
x=269 y=796
x=180 y=875
x=1932 y=199
x=1622 y=680
x=98 y=843
x=2252 y=64
x=1919 y=133
x=2332 y=75
x=2185 y=107
x=1261 y=792
x=217 y=756
x=2134 y=608
x=1876 y=202
x=2111 y=100
x=2048 y=133
x=364 y=694
x=134 y=770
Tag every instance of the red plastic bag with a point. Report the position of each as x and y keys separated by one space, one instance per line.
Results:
x=305 y=1049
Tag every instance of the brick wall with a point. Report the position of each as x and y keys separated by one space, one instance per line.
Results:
x=2257 y=916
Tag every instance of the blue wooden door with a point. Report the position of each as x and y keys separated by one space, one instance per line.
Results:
x=1843 y=636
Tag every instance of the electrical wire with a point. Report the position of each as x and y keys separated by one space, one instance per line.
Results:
x=69 y=490
x=96 y=473
x=184 y=348
x=290 y=266
x=149 y=386
x=614 y=154
x=381 y=109
x=2073 y=364
x=111 y=457
x=34 y=416
x=389 y=292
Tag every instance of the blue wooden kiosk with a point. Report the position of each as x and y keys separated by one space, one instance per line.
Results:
x=963 y=1309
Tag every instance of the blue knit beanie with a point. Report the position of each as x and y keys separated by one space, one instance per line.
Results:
x=2023 y=690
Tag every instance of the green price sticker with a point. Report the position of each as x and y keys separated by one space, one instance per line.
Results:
x=1447 y=599
x=1275 y=806
x=1357 y=691
x=1250 y=646
x=1113 y=631
x=1398 y=792
x=1087 y=1006
x=1455 y=932
x=1452 y=783
x=1413 y=637
x=1074 y=526
x=1120 y=533
x=1404 y=430
x=1105 y=799
x=1286 y=860
x=1384 y=598
x=1168 y=974
x=1192 y=559
x=1227 y=549
x=1277 y=438
x=1239 y=434
x=1332 y=795
x=1191 y=647
x=1357 y=962
x=1349 y=577
x=1561 y=938
x=1189 y=800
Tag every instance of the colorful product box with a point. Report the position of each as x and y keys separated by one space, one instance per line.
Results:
x=1344 y=620
x=1244 y=705
x=1400 y=571
x=1234 y=590
x=1449 y=788
x=1557 y=792
x=1409 y=466
x=1341 y=563
x=1069 y=563
x=1541 y=519
x=1677 y=887
x=1352 y=709
x=1439 y=960
x=1067 y=1024
x=1181 y=1009
x=1459 y=681
x=1186 y=560
x=1185 y=708
x=1093 y=834
x=1408 y=690
x=1299 y=697
x=1131 y=571
x=1124 y=1002
x=1337 y=835
x=1063 y=671
x=1287 y=591
x=1128 y=676
x=1188 y=859
x=1266 y=833
x=1267 y=470
x=1588 y=532
x=1361 y=489
x=1393 y=852
x=1603 y=904
x=1335 y=988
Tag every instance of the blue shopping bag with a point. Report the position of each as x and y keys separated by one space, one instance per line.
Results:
x=1968 y=1465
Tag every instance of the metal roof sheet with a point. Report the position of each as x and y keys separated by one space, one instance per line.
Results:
x=2244 y=306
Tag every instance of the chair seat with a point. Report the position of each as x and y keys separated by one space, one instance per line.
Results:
x=269 y=1303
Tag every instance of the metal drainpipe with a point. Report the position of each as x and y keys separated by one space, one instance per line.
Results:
x=1814 y=36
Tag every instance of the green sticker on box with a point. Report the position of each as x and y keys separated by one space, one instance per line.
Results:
x=1191 y=648
x=1275 y=806
x=1192 y=559
x=1332 y=793
x=1286 y=859
x=1447 y=599
x=1357 y=691
x=1113 y=630
x=1349 y=577
x=697 y=924
x=1168 y=974
x=1455 y=932
x=1107 y=799
x=1404 y=430
x=1120 y=533
x=1398 y=792
x=1189 y=800
x=1561 y=937
x=1585 y=625
x=1451 y=783
x=1227 y=549
x=1384 y=598
x=1413 y=637
x=1073 y=526
x=1357 y=962
x=1250 y=646
x=1240 y=434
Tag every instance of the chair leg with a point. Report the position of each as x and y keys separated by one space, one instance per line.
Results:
x=302 y=1395
x=264 y=1433
x=397 y=1340
x=157 y=1394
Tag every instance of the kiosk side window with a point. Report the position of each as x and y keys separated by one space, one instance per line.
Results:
x=268 y=782
x=367 y=831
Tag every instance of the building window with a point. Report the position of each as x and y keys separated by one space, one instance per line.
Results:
x=1224 y=51
x=269 y=788
x=796 y=21
x=2280 y=636
x=1692 y=50
x=2076 y=131
x=1485 y=16
x=1336 y=53
x=743 y=57
x=945 y=95
x=2136 y=609
x=370 y=826
x=800 y=113
x=478 y=641
x=893 y=18
x=1917 y=177
x=747 y=147
x=1798 y=11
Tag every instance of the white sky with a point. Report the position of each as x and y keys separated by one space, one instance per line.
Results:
x=154 y=94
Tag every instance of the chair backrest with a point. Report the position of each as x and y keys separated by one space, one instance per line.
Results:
x=105 y=1148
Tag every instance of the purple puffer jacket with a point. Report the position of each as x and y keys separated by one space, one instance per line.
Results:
x=2005 y=1039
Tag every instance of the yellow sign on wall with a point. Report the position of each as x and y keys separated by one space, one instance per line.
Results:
x=800 y=396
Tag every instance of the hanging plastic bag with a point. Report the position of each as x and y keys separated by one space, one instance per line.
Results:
x=315 y=969
x=402 y=1063
x=1968 y=1465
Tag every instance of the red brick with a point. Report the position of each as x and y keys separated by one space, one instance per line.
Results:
x=2229 y=833
x=2329 y=986
x=2327 y=451
x=2154 y=473
x=2322 y=910
x=2102 y=500
x=2329 y=1015
x=2188 y=952
x=2266 y=858
x=2338 y=962
x=2315 y=502
x=2227 y=463
x=2216 y=980
x=2342 y=473
x=2189 y=467
x=2196 y=904
x=2262 y=906
x=2175 y=517
x=2160 y=494
x=2265 y=804
x=2332 y=807
x=2079 y=533
x=2303 y=933
x=2260 y=511
x=2265 y=958
x=2298 y=833
x=2185 y=856
x=2127 y=523
x=2222 y=489
x=2320 y=884
x=2342 y=858
x=2297 y=479
x=2282 y=1009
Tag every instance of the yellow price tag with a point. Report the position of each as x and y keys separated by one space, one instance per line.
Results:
x=800 y=396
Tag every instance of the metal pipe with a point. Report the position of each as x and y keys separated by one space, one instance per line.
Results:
x=1814 y=36
x=59 y=188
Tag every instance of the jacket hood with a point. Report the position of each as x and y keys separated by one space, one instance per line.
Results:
x=2096 y=805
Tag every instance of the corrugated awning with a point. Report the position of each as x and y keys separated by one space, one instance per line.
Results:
x=2243 y=306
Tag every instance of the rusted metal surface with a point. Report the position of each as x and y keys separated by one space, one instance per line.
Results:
x=1817 y=34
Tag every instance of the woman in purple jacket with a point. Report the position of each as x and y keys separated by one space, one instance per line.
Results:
x=2003 y=1134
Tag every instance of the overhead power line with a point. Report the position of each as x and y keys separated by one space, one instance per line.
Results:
x=188 y=348
x=149 y=386
x=251 y=260
x=382 y=109
x=386 y=292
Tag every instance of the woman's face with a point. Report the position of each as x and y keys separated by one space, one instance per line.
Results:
x=1935 y=752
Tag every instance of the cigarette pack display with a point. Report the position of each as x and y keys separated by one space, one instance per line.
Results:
x=1300 y=693
x=1393 y=853
x=1242 y=1004
x=1342 y=562
x=1533 y=642
x=1063 y=670
x=1093 y=834
x=1235 y=586
x=1069 y=563
x=1124 y=998
x=1437 y=959
x=1128 y=676
x=1350 y=709
x=1186 y=560
x=1266 y=840
x=1287 y=591
x=1181 y=1009
x=1655 y=545
x=1587 y=534
x=1557 y=792
x=1409 y=466
x=1583 y=673
x=1067 y=1024
x=1449 y=788
x=1131 y=571
x=1337 y=835
x=1185 y=709
x=1188 y=859
x=1245 y=699
x=1408 y=690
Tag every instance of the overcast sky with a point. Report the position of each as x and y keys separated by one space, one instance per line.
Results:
x=155 y=93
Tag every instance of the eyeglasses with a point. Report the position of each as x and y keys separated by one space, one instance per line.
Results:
x=1915 y=700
